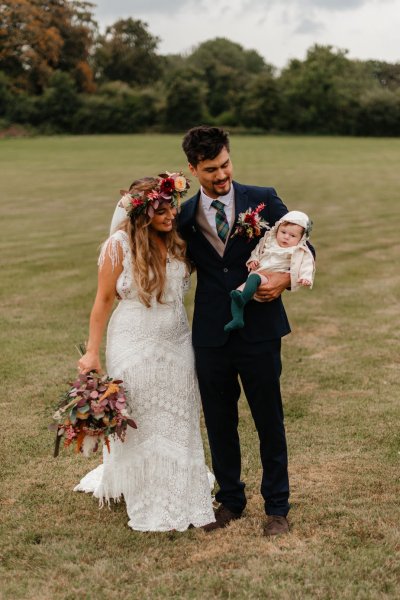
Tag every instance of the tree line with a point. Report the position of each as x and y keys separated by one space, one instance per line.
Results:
x=59 y=74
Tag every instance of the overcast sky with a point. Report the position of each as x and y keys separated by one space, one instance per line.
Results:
x=278 y=29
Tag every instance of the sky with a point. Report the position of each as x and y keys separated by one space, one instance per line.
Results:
x=278 y=29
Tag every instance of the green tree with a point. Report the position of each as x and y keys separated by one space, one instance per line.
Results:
x=319 y=95
x=226 y=69
x=258 y=105
x=185 y=101
x=24 y=108
x=116 y=108
x=228 y=53
x=386 y=74
x=5 y=94
x=59 y=103
x=16 y=106
x=379 y=113
x=127 y=52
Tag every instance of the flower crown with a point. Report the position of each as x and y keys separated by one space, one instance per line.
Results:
x=170 y=188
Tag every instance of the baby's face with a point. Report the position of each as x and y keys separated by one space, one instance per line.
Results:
x=289 y=234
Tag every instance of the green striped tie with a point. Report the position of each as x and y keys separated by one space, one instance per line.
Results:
x=221 y=220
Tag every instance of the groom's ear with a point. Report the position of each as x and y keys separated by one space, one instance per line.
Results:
x=123 y=192
x=192 y=169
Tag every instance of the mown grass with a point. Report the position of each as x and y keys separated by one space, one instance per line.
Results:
x=340 y=380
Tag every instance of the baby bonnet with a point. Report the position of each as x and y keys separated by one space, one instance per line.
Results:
x=297 y=218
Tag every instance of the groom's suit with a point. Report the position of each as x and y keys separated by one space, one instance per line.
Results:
x=253 y=352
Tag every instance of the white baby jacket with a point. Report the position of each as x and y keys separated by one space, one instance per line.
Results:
x=296 y=260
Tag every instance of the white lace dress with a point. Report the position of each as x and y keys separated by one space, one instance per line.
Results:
x=159 y=469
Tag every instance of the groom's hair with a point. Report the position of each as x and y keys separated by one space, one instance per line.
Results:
x=204 y=143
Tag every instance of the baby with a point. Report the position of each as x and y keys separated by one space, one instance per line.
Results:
x=283 y=248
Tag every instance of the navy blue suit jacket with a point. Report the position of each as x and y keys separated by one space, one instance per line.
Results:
x=218 y=275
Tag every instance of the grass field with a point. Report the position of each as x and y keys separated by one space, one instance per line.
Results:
x=340 y=381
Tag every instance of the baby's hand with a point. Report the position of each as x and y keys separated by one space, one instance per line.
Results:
x=253 y=265
x=305 y=282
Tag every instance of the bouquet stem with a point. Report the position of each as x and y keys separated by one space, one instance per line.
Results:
x=57 y=444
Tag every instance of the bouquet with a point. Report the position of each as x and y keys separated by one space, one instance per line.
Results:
x=250 y=223
x=91 y=410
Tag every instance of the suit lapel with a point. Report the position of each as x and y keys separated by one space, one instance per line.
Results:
x=195 y=227
x=190 y=209
x=241 y=204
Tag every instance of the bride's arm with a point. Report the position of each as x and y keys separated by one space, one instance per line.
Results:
x=106 y=293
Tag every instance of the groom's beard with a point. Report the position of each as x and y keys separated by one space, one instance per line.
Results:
x=222 y=187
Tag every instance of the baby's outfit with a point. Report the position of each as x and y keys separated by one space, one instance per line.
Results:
x=271 y=257
x=296 y=260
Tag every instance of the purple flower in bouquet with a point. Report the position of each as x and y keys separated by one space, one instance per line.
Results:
x=93 y=409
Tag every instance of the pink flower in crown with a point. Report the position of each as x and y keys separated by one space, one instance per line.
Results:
x=153 y=202
x=126 y=201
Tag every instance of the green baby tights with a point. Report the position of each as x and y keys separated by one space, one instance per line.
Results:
x=239 y=301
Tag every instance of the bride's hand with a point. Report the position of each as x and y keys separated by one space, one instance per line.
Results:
x=89 y=362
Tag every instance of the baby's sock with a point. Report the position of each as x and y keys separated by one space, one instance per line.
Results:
x=240 y=299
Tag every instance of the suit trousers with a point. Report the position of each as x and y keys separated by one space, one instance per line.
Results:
x=259 y=367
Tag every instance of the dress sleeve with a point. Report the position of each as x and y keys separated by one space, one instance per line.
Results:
x=112 y=248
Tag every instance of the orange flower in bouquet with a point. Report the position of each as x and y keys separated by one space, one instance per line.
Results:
x=92 y=410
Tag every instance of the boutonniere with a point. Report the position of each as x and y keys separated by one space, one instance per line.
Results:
x=250 y=224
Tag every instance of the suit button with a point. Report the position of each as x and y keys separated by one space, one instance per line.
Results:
x=225 y=270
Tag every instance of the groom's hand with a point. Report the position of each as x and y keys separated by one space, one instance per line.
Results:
x=277 y=283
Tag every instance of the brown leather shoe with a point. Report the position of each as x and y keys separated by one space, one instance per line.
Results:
x=276 y=525
x=223 y=516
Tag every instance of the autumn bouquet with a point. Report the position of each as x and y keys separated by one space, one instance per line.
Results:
x=90 y=411
x=250 y=224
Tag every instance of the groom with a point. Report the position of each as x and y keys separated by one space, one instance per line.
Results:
x=207 y=222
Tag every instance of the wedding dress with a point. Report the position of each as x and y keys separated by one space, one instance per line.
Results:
x=159 y=469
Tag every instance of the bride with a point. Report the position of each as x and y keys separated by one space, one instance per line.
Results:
x=159 y=469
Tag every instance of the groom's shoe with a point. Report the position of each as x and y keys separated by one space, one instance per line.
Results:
x=276 y=525
x=223 y=516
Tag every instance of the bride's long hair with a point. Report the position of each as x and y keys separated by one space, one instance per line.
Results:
x=148 y=262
